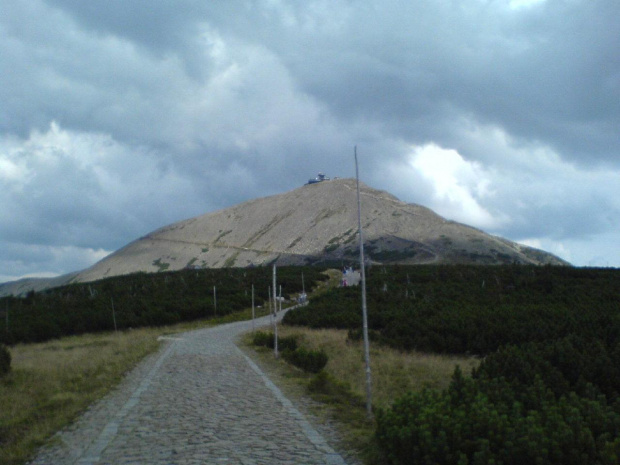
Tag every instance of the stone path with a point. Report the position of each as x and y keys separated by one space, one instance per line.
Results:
x=200 y=400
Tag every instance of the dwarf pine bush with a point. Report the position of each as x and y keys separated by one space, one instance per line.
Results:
x=311 y=361
x=5 y=360
x=266 y=339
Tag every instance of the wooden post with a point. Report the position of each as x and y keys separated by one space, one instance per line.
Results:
x=364 y=310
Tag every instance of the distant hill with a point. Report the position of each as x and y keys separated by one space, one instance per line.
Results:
x=315 y=223
x=25 y=285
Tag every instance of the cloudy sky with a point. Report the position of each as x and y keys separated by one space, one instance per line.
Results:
x=119 y=117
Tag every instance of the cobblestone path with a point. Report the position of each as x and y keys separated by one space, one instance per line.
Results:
x=200 y=400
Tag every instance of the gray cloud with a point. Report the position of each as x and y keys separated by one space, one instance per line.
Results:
x=550 y=72
x=120 y=117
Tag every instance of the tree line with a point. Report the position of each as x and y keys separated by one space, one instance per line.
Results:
x=142 y=299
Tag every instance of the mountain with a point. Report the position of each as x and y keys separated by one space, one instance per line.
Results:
x=312 y=224
x=25 y=285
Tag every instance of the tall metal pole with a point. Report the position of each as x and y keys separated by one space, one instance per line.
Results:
x=214 y=302
x=253 y=314
x=364 y=311
x=270 y=311
x=275 y=315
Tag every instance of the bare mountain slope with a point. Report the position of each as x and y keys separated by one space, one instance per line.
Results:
x=313 y=223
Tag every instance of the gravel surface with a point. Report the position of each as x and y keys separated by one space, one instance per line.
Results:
x=199 y=400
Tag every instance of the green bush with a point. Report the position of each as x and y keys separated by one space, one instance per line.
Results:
x=263 y=339
x=288 y=343
x=333 y=390
x=473 y=309
x=5 y=360
x=483 y=421
x=571 y=364
x=311 y=361
x=266 y=339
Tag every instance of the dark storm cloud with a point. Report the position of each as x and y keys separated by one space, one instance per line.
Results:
x=158 y=26
x=551 y=73
x=119 y=117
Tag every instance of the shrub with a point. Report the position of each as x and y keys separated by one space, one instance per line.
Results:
x=564 y=365
x=5 y=360
x=288 y=343
x=266 y=339
x=311 y=361
x=479 y=421
x=334 y=390
x=263 y=339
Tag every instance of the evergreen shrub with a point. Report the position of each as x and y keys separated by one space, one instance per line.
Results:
x=334 y=390
x=266 y=339
x=5 y=360
x=143 y=299
x=288 y=343
x=263 y=339
x=311 y=361
x=483 y=421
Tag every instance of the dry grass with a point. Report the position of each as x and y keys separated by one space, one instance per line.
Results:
x=393 y=372
x=51 y=383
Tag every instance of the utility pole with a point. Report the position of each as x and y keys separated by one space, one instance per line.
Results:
x=270 y=311
x=275 y=315
x=253 y=314
x=364 y=310
x=301 y=300
x=214 y=302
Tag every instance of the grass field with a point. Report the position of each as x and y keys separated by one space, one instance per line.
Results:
x=51 y=383
x=342 y=392
x=393 y=372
